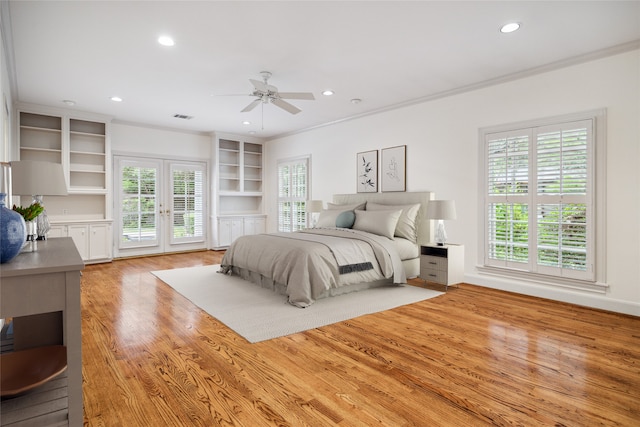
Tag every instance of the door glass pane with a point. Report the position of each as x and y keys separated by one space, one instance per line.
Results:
x=139 y=205
x=188 y=203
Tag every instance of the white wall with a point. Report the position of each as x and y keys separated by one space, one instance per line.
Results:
x=160 y=143
x=6 y=147
x=442 y=156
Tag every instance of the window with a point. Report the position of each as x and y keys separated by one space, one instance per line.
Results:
x=293 y=179
x=539 y=198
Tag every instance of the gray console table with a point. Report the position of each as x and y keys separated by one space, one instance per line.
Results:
x=41 y=291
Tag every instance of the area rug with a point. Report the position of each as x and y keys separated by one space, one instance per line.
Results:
x=260 y=314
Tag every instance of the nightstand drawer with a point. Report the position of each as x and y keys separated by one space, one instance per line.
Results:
x=432 y=275
x=433 y=262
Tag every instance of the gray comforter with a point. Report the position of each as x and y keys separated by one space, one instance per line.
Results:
x=309 y=263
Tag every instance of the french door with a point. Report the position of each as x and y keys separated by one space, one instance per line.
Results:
x=160 y=206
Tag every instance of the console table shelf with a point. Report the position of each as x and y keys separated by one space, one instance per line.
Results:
x=41 y=292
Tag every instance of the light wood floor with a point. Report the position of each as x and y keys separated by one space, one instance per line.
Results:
x=472 y=357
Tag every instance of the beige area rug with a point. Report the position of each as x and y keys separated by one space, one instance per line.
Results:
x=260 y=314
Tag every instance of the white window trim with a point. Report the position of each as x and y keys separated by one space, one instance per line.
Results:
x=598 y=196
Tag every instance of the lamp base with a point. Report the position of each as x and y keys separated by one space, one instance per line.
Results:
x=441 y=234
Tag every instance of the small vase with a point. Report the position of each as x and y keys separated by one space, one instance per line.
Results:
x=32 y=235
x=13 y=232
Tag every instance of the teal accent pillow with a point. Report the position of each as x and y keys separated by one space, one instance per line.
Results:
x=346 y=219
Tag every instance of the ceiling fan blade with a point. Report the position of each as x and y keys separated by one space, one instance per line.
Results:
x=251 y=106
x=285 y=105
x=260 y=86
x=296 y=95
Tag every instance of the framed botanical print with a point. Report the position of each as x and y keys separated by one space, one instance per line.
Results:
x=367 y=167
x=393 y=172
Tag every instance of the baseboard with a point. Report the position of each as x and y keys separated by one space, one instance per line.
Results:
x=586 y=299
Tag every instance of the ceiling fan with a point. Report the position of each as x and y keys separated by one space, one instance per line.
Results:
x=266 y=93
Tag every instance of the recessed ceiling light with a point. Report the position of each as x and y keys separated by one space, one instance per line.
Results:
x=69 y=102
x=166 y=41
x=327 y=92
x=510 y=27
x=246 y=122
x=116 y=99
x=356 y=101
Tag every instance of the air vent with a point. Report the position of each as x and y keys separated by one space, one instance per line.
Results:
x=182 y=116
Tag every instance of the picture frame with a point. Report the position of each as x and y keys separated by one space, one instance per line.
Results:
x=367 y=171
x=393 y=170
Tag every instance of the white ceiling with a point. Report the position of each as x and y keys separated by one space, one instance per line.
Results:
x=386 y=53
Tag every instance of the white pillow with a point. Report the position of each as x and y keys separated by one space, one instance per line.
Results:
x=349 y=207
x=406 y=226
x=382 y=223
x=327 y=218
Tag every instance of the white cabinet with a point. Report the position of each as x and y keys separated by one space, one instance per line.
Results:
x=80 y=235
x=229 y=229
x=81 y=143
x=442 y=264
x=93 y=239
x=254 y=225
x=100 y=242
x=238 y=189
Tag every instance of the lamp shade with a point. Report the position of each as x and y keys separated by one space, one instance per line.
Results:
x=314 y=206
x=30 y=178
x=441 y=209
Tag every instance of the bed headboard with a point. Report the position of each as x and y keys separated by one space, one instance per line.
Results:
x=424 y=226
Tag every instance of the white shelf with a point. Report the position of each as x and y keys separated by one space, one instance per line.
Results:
x=80 y=142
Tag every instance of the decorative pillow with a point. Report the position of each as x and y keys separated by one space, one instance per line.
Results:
x=382 y=223
x=345 y=219
x=349 y=207
x=406 y=227
x=327 y=218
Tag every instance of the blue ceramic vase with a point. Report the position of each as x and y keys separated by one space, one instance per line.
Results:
x=13 y=232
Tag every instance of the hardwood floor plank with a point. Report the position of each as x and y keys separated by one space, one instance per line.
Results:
x=471 y=357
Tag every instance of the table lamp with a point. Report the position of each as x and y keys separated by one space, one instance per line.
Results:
x=37 y=179
x=441 y=210
x=314 y=207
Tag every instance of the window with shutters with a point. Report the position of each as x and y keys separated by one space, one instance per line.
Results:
x=539 y=206
x=293 y=179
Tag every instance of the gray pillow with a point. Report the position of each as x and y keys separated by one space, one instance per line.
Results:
x=382 y=223
x=407 y=227
x=345 y=219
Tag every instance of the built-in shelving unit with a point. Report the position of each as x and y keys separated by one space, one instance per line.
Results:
x=238 y=189
x=40 y=137
x=80 y=142
x=87 y=156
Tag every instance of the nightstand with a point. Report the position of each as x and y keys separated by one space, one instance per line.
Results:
x=442 y=264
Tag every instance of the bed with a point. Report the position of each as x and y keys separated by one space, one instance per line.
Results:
x=360 y=241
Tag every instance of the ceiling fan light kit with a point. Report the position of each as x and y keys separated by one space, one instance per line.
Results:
x=266 y=93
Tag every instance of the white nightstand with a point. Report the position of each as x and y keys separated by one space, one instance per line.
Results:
x=442 y=264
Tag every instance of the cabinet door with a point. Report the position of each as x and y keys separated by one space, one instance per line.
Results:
x=80 y=235
x=224 y=232
x=57 y=231
x=254 y=226
x=99 y=241
x=229 y=230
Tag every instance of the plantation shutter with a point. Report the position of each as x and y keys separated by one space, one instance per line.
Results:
x=508 y=199
x=187 y=215
x=292 y=194
x=139 y=203
x=539 y=199
x=563 y=210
